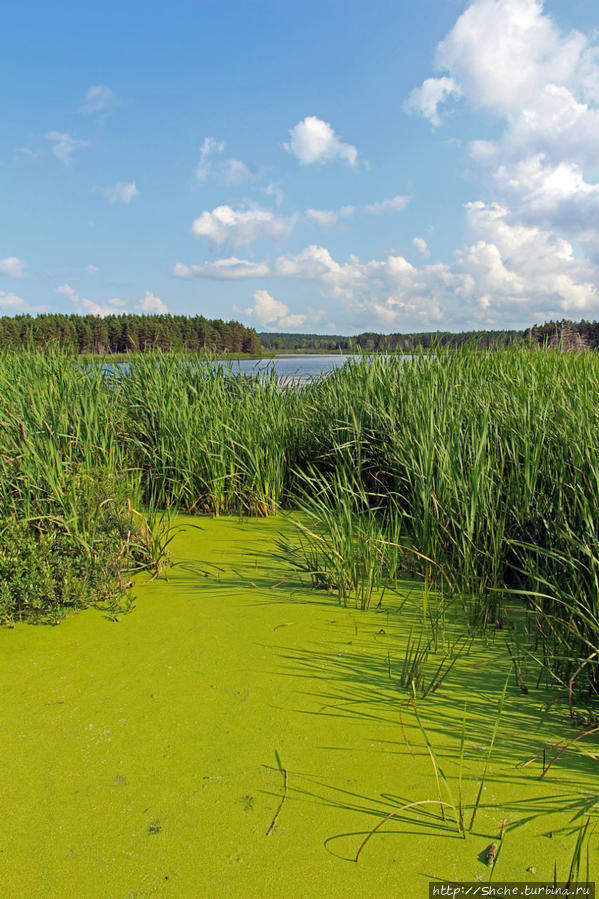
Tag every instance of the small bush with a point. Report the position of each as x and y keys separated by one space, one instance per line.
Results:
x=42 y=574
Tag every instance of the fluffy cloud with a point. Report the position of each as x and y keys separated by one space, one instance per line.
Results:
x=273 y=314
x=507 y=274
x=313 y=140
x=150 y=304
x=63 y=145
x=11 y=267
x=510 y=59
x=121 y=192
x=239 y=227
x=392 y=204
x=426 y=99
x=421 y=245
x=502 y=53
x=553 y=192
x=98 y=99
x=514 y=265
x=89 y=307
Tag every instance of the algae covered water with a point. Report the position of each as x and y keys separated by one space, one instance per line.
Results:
x=240 y=734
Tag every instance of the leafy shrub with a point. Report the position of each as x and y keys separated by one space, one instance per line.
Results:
x=42 y=574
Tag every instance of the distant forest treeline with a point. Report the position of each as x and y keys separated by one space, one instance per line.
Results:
x=570 y=335
x=127 y=333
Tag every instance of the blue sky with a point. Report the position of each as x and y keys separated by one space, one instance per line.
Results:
x=302 y=166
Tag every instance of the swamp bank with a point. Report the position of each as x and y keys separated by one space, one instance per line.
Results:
x=238 y=735
x=408 y=589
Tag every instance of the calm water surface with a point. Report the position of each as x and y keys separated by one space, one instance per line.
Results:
x=296 y=368
x=288 y=368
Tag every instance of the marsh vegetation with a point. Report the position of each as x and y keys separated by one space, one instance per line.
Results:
x=477 y=473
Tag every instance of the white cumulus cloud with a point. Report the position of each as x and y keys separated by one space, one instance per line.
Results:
x=536 y=248
x=150 y=304
x=242 y=226
x=273 y=314
x=501 y=53
x=426 y=99
x=314 y=141
x=509 y=58
x=11 y=267
x=507 y=274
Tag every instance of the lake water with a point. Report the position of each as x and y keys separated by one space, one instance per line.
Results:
x=296 y=368
x=288 y=368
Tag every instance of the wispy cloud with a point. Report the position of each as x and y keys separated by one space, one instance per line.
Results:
x=122 y=192
x=99 y=99
x=10 y=301
x=84 y=306
x=26 y=153
x=231 y=172
x=210 y=148
x=63 y=145
x=231 y=269
x=392 y=204
x=11 y=267
x=325 y=217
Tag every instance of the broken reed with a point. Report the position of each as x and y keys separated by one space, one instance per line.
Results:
x=477 y=471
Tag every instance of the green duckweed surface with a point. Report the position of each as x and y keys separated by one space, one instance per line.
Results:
x=140 y=756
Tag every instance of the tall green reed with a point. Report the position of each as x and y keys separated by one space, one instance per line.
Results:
x=478 y=472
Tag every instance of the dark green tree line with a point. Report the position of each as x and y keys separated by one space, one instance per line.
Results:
x=127 y=333
x=570 y=335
